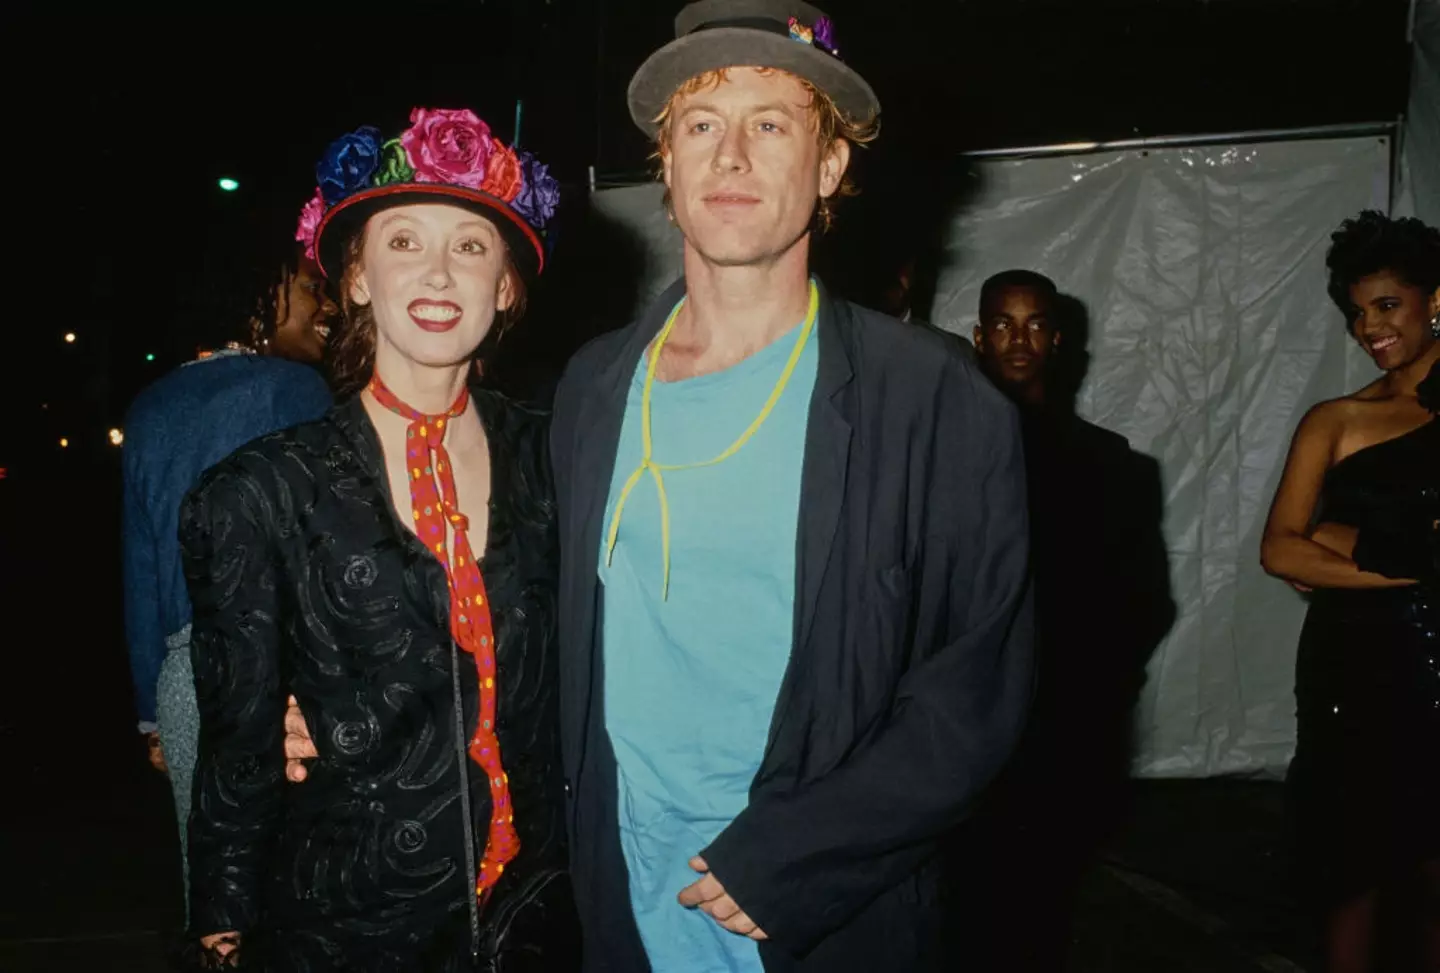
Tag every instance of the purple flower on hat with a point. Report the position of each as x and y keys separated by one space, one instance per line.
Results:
x=540 y=193
x=348 y=163
x=825 y=34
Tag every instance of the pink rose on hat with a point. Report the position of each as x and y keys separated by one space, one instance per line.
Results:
x=309 y=221
x=448 y=146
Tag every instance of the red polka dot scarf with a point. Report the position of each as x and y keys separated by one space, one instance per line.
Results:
x=432 y=497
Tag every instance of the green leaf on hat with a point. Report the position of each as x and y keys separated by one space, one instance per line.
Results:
x=394 y=164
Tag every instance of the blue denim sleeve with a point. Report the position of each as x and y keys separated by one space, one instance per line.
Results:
x=141 y=579
x=301 y=397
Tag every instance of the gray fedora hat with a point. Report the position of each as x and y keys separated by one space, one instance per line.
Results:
x=785 y=34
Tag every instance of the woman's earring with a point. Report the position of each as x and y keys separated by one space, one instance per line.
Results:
x=1435 y=325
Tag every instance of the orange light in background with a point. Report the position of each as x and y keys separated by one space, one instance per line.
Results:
x=116 y=437
x=64 y=443
x=69 y=337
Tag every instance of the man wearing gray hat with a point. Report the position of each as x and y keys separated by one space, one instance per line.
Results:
x=795 y=620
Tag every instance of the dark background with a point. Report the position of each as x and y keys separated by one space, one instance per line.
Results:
x=119 y=126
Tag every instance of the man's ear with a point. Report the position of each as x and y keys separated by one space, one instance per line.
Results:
x=833 y=166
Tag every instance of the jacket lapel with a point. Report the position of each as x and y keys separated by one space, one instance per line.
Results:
x=596 y=437
x=822 y=484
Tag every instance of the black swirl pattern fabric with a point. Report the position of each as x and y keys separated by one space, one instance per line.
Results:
x=305 y=582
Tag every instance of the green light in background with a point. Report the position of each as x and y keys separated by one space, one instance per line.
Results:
x=228 y=184
x=150 y=357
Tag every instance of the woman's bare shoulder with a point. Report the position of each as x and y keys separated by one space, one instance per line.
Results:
x=1328 y=417
x=1363 y=405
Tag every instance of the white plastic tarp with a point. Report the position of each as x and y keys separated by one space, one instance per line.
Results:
x=1211 y=334
x=1420 y=165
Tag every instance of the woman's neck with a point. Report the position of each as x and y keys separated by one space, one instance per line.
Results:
x=1405 y=380
x=427 y=389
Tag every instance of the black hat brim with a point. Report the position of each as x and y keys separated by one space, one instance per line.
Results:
x=347 y=218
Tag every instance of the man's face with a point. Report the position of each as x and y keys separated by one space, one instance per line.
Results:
x=1016 y=335
x=745 y=167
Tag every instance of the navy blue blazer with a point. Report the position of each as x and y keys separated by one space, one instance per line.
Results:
x=911 y=666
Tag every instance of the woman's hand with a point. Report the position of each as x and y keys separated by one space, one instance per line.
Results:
x=156 y=752
x=298 y=745
x=221 y=950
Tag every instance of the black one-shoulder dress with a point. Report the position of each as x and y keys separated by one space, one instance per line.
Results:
x=1365 y=781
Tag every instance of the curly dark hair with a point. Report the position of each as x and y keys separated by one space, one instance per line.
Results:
x=1372 y=242
x=242 y=266
x=350 y=354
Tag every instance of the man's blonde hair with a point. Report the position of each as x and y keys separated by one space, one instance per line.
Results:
x=832 y=125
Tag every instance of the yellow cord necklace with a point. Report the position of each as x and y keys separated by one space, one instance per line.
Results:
x=657 y=470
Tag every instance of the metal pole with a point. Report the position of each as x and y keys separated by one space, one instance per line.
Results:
x=515 y=142
x=1182 y=141
x=1397 y=165
x=600 y=14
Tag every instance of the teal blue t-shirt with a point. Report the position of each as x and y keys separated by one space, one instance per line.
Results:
x=691 y=680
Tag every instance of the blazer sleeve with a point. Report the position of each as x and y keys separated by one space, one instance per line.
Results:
x=803 y=862
x=231 y=567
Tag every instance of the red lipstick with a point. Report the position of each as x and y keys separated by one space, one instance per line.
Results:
x=434 y=316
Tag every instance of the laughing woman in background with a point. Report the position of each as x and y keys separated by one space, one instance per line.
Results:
x=258 y=317
x=1355 y=522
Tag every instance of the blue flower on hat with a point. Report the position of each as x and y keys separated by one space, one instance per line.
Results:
x=348 y=164
x=540 y=193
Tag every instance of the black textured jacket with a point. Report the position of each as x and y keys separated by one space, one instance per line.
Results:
x=304 y=582
x=910 y=670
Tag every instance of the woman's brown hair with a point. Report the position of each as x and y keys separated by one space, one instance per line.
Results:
x=350 y=356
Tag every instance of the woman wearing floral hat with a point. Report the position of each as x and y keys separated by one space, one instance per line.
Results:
x=392 y=566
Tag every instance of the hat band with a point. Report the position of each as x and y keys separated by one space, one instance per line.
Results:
x=751 y=23
x=820 y=36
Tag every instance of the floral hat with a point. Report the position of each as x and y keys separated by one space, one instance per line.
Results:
x=445 y=155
